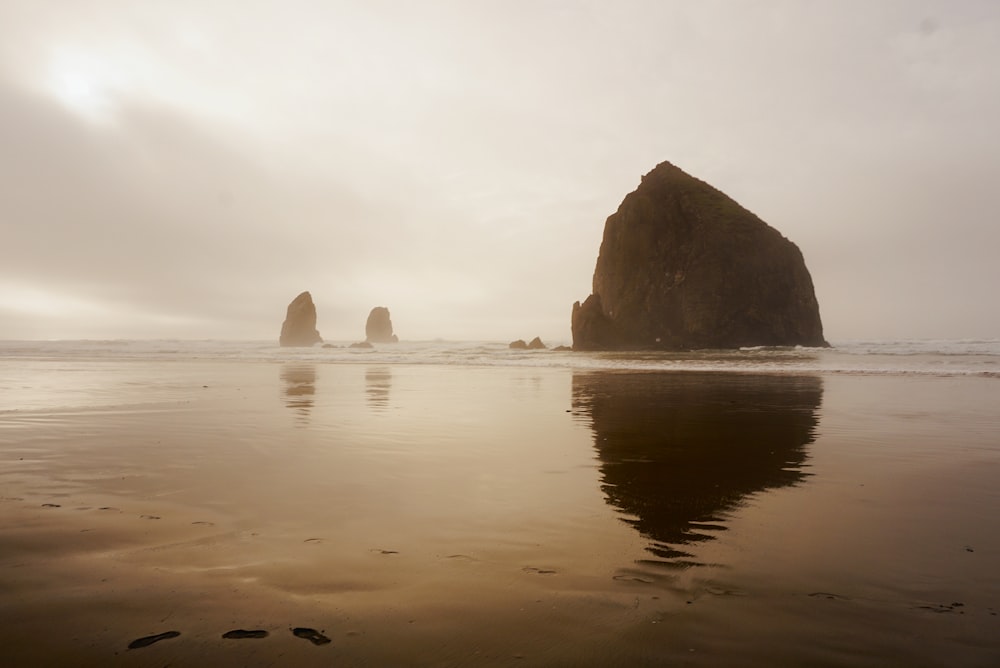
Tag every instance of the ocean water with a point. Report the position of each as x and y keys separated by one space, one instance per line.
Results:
x=52 y=374
x=937 y=357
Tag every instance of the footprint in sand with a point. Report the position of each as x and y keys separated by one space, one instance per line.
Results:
x=827 y=595
x=632 y=578
x=941 y=607
x=312 y=635
x=240 y=634
x=146 y=641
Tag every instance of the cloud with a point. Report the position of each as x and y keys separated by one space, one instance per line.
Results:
x=187 y=170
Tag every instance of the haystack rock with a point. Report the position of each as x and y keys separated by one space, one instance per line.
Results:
x=299 y=328
x=378 y=329
x=683 y=266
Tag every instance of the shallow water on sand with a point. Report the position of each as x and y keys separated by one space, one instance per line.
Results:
x=422 y=515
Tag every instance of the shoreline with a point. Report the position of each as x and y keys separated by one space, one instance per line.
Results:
x=932 y=357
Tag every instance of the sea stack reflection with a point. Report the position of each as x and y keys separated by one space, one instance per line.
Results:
x=300 y=388
x=378 y=383
x=680 y=450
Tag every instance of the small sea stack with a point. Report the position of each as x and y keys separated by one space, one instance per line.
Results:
x=299 y=327
x=378 y=328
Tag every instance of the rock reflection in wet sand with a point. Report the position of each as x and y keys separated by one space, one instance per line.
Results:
x=300 y=387
x=378 y=382
x=679 y=451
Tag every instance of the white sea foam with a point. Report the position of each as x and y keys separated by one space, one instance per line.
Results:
x=928 y=357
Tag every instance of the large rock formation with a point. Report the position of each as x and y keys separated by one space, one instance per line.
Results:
x=378 y=329
x=683 y=266
x=299 y=328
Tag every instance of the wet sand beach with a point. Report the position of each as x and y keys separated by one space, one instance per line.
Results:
x=448 y=516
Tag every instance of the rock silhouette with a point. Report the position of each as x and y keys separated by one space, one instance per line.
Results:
x=535 y=344
x=378 y=328
x=299 y=328
x=683 y=266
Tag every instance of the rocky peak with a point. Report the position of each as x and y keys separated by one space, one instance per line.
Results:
x=683 y=266
x=378 y=328
x=299 y=327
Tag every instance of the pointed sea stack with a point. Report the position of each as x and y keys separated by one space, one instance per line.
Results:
x=378 y=329
x=299 y=328
x=682 y=266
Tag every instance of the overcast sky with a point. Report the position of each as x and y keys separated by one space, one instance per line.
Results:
x=184 y=169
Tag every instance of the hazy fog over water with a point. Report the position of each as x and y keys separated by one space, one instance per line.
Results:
x=184 y=169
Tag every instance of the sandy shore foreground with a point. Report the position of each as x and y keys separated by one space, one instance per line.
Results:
x=424 y=515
